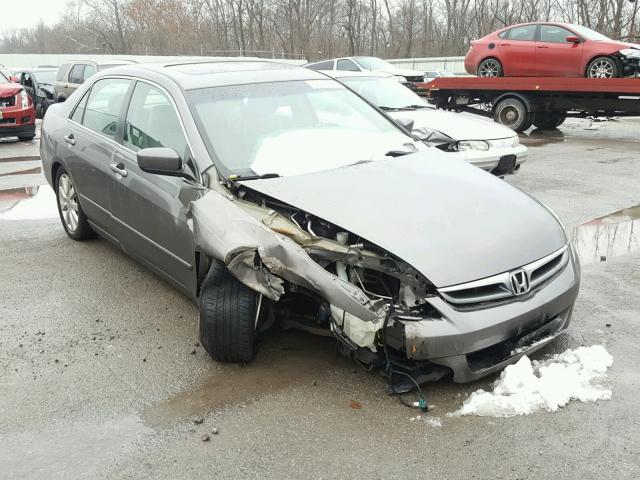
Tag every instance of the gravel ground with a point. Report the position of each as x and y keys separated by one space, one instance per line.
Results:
x=101 y=375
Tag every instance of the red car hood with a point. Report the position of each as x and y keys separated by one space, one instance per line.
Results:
x=615 y=46
x=9 y=89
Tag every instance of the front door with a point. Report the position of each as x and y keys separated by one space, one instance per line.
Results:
x=518 y=51
x=151 y=210
x=557 y=57
x=89 y=137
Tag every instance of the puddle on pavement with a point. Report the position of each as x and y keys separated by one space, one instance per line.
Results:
x=608 y=133
x=287 y=360
x=610 y=236
x=24 y=193
x=28 y=203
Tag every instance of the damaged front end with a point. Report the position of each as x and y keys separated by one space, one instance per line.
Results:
x=320 y=277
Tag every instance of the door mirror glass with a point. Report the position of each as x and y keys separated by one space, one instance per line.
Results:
x=161 y=161
x=573 y=39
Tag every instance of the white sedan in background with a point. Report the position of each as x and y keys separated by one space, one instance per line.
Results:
x=485 y=144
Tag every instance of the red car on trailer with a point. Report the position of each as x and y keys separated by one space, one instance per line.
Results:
x=551 y=49
x=17 y=113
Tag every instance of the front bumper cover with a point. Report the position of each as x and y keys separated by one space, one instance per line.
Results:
x=474 y=343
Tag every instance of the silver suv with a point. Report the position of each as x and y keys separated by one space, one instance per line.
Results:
x=73 y=74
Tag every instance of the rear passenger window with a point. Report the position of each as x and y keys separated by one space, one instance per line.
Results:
x=152 y=121
x=76 y=74
x=524 y=33
x=104 y=105
x=78 y=113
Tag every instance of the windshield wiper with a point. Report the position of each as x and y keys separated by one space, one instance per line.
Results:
x=390 y=109
x=414 y=107
x=235 y=178
x=397 y=153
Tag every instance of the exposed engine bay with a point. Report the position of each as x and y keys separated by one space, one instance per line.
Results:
x=320 y=277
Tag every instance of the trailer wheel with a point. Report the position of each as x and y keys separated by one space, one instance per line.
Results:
x=549 y=121
x=602 y=67
x=513 y=113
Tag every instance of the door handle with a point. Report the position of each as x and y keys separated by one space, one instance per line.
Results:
x=119 y=169
x=505 y=44
x=70 y=139
x=543 y=46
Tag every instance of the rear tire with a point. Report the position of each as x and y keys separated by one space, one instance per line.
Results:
x=513 y=113
x=602 y=67
x=228 y=314
x=74 y=221
x=549 y=121
x=490 y=67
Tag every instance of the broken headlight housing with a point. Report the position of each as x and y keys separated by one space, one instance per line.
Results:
x=630 y=52
x=466 y=145
x=24 y=99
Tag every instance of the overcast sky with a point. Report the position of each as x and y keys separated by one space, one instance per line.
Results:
x=30 y=12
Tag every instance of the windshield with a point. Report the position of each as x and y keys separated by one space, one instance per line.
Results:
x=291 y=128
x=374 y=63
x=588 y=33
x=386 y=93
x=46 y=76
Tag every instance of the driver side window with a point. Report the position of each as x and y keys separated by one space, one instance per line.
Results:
x=152 y=121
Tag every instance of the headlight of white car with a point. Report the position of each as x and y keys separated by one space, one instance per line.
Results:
x=465 y=145
x=505 y=142
x=400 y=78
x=630 y=52
x=24 y=99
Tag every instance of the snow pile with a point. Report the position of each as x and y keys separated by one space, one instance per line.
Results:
x=431 y=421
x=550 y=384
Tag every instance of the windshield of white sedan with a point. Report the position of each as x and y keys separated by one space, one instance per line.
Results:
x=386 y=93
x=291 y=128
x=373 y=63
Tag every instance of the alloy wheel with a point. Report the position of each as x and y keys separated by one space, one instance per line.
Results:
x=601 y=69
x=489 y=68
x=68 y=202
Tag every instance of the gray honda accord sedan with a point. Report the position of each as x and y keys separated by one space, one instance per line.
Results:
x=271 y=193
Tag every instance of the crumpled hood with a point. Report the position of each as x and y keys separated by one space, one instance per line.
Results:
x=9 y=89
x=455 y=125
x=450 y=220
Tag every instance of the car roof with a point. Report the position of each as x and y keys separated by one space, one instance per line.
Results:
x=345 y=74
x=216 y=73
x=35 y=69
x=103 y=61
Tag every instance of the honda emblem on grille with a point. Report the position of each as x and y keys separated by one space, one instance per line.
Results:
x=519 y=281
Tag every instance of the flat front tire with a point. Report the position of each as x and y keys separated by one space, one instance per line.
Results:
x=228 y=316
x=513 y=113
x=73 y=218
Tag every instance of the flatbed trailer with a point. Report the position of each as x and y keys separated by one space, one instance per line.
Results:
x=519 y=102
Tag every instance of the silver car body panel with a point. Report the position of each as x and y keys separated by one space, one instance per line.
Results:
x=455 y=223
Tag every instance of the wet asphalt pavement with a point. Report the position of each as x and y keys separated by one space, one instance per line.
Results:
x=101 y=375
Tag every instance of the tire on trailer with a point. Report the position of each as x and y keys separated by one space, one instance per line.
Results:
x=603 y=67
x=512 y=112
x=490 y=67
x=228 y=316
x=549 y=121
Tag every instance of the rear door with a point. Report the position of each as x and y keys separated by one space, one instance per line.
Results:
x=555 y=56
x=518 y=51
x=90 y=146
x=151 y=210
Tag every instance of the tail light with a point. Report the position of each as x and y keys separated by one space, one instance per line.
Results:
x=22 y=98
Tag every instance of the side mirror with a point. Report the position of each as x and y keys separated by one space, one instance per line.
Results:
x=404 y=123
x=161 y=161
x=573 y=39
x=14 y=79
